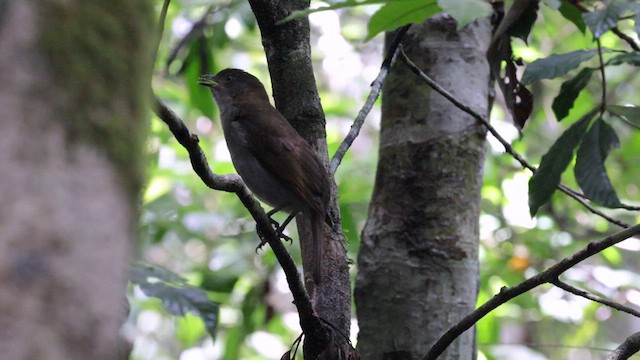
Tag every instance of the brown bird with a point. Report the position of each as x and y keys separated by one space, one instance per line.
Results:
x=276 y=163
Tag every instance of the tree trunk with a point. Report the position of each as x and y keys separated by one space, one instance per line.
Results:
x=74 y=76
x=418 y=261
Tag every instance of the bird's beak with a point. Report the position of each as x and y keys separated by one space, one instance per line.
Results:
x=207 y=80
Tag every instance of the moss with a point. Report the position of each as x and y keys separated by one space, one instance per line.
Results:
x=99 y=53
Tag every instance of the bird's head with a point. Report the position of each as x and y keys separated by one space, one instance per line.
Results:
x=230 y=83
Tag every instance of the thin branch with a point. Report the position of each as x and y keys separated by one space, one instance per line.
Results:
x=628 y=39
x=376 y=87
x=627 y=349
x=575 y=291
x=161 y=21
x=233 y=183
x=507 y=147
x=548 y=276
x=197 y=29
x=603 y=100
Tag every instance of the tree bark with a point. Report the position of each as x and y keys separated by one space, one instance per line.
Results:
x=418 y=261
x=288 y=50
x=74 y=77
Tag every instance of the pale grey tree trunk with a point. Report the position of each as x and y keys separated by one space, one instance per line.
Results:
x=418 y=262
x=73 y=81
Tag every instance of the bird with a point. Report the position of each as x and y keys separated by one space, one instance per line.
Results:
x=276 y=163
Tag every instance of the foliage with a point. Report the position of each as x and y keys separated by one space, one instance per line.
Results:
x=177 y=296
x=207 y=238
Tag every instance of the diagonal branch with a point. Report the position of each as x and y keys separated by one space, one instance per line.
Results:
x=548 y=276
x=376 y=87
x=233 y=183
x=575 y=291
x=507 y=147
x=627 y=349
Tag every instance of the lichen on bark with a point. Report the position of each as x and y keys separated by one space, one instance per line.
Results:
x=100 y=58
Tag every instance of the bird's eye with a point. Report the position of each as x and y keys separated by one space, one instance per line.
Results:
x=228 y=78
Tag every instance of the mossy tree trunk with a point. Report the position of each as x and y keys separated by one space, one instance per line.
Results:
x=74 y=78
x=418 y=263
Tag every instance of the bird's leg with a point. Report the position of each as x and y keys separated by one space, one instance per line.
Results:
x=279 y=228
x=271 y=212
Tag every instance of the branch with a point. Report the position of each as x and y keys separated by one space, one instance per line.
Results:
x=507 y=147
x=376 y=87
x=197 y=29
x=548 y=276
x=628 y=39
x=575 y=291
x=161 y=21
x=627 y=349
x=233 y=183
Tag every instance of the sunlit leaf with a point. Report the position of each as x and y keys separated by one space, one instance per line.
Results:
x=398 y=13
x=630 y=114
x=177 y=296
x=612 y=255
x=602 y=20
x=569 y=92
x=545 y=181
x=590 y=172
x=555 y=65
x=466 y=11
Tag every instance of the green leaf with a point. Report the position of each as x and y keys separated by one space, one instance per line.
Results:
x=630 y=114
x=569 y=92
x=590 y=172
x=200 y=96
x=555 y=65
x=349 y=3
x=466 y=11
x=177 y=296
x=546 y=179
x=522 y=27
x=602 y=20
x=632 y=58
x=573 y=14
x=397 y=13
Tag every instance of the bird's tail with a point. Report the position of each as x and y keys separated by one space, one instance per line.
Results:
x=317 y=221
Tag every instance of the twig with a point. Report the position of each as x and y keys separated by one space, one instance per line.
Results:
x=376 y=87
x=196 y=30
x=575 y=291
x=603 y=100
x=506 y=294
x=627 y=349
x=507 y=147
x=161 y=21
x=628 y=39
x=233 y=183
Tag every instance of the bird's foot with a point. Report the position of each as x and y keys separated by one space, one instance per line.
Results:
x=279 y=232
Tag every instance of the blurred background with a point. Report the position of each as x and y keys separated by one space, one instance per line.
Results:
x=208 y=238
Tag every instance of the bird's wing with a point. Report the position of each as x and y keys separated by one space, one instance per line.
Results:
x=283 y=152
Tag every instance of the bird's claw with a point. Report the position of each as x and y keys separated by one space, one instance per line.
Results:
x=279 y=232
